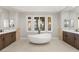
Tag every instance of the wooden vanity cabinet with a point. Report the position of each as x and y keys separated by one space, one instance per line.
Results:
x=1 y=42
x=9 y=38
x=6 y=39
x=77 y=41
x=13 y=36
x=71 y=38
x=65 y=36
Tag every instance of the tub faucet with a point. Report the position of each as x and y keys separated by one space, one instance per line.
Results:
x=38 y=31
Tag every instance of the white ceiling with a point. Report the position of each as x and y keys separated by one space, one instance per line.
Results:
x=39 y=8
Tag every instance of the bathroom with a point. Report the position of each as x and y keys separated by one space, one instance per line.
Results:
x=39 y=25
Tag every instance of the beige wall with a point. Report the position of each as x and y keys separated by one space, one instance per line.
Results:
x=22 y=24
x=59 y=26
x=18 y=34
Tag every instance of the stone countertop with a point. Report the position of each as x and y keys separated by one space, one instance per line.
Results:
x=7 y=31
x=72 y=31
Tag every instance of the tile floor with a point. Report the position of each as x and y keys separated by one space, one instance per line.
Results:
x=55 y=45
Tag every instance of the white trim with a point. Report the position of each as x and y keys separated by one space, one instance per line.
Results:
x=46 y=22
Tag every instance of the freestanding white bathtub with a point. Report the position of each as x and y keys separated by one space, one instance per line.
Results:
x=40 y=38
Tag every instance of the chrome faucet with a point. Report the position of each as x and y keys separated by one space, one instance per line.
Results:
x=38 y=31
x=77 y=30
x=1 y=30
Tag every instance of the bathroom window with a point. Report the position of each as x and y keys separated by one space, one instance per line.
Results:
x=36 y=23
x=42 y=23
x=49 y=23
x=29 y=17
x=39 y=23
x=29 y=25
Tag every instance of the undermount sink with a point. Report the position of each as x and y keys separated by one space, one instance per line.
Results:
x=77 y=30
x=7 y=30
x=1 y=30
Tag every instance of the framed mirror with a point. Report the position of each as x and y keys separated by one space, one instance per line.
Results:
x=11 y=23
x=66 y=23
x=6 y=23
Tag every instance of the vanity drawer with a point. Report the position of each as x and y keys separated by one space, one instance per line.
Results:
x=1 y=42
x=69 y=38
x=77 y=41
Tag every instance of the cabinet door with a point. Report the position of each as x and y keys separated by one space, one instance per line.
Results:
x=65 y=36
x=1 y=42
x=13 y=36
x=77 y=41
x=71 y=39
x=7 y=39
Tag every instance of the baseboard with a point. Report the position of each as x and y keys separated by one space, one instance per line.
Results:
x=24 y=38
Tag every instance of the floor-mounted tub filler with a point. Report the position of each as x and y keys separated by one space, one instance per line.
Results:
x=40 y=38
